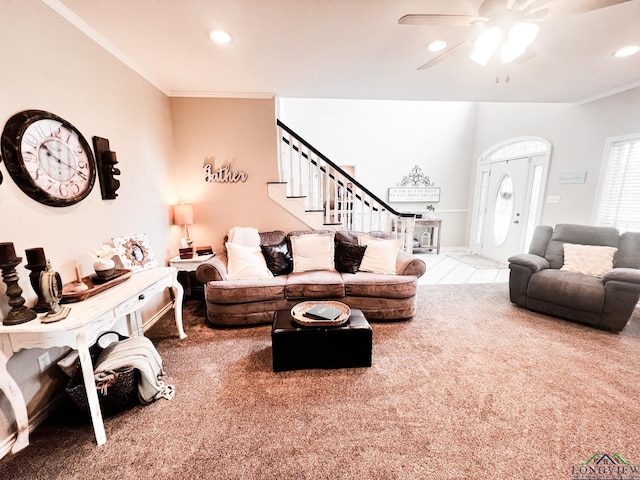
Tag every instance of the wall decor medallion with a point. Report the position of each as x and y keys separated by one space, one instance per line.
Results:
x=48 y=158
x=223 y=174
x=135 y=252
x=415 y=187
x=416 y=178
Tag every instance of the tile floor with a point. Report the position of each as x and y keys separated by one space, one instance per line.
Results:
x=442 y=269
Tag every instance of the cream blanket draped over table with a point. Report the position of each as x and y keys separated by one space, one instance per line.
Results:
x=139 y=353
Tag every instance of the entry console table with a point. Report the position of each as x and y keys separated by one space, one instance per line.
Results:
x=86 y=321
x=430 y=238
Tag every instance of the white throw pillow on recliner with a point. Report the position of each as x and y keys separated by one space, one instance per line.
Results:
x=246 y=263
x=592 y=260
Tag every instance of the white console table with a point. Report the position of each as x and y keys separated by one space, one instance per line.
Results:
x=86 y=321
x=433 y=228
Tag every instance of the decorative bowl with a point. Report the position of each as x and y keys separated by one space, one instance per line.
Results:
x=105 y=273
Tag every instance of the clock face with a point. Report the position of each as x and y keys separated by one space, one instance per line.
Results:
x=48 y=158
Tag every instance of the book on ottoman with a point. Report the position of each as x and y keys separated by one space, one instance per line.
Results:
x=323 y=312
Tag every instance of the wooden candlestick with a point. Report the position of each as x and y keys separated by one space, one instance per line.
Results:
x=37 y=262
x=7 y=252
x=18 y=313
x=36 y=257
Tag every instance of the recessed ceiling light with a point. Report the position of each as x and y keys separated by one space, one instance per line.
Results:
x=220 y=36
x=627 y=51
x=437 y=46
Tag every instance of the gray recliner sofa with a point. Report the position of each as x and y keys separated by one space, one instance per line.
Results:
x=538 y=282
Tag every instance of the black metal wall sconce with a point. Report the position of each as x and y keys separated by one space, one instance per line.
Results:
x=106 y=168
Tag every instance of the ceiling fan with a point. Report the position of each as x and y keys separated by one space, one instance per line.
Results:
x=505 y=26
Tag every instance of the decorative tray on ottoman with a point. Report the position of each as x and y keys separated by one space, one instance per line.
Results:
x=298 y=313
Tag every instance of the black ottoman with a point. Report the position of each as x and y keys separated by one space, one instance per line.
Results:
x=296 y=347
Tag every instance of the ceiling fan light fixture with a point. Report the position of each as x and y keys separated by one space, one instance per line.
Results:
x=520 y=37
x=220 y=36
x=437 y=46
x=627 y=51
x=523 y=33
x=510 y=51
x=486 y=45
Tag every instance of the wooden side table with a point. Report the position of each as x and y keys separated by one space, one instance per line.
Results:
x=186 y=271
x=430 y=237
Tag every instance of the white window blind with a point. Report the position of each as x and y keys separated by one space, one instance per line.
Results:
x=620 y=194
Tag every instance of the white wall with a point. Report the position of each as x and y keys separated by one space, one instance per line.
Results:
x=446 y=139
x=577 y=135
x=49 y=65
x=384 y=140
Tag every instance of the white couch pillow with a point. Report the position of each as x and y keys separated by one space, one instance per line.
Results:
x=592 y=260
x=313 y=251
x=246 y=263
x=380 y=255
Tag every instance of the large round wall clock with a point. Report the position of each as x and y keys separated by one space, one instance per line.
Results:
x=48 y=158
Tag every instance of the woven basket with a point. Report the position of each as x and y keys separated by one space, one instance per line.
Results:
x=116 y=393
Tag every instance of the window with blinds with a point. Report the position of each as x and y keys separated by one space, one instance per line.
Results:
x=620 y=193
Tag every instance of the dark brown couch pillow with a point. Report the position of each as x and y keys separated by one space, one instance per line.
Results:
x=348 y=256
x=278 y=258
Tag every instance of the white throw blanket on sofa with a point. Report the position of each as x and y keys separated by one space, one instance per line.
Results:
x=245 y=236
x=139 y=353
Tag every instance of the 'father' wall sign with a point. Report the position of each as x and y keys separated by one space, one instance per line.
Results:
x=224 y=174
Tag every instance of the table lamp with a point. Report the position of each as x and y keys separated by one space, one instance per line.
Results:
x=183 y=215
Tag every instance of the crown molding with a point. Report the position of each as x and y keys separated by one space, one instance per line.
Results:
x=254 y=95
x=608 y=93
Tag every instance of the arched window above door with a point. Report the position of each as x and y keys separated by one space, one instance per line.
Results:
x=515 y=148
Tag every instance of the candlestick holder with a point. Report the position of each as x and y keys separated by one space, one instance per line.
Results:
x=36 y=263
x=18 y=313
x=41 y=305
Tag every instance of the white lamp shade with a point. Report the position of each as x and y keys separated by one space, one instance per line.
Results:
x=183 y=214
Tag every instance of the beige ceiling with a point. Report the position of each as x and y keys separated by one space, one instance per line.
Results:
x=352 y=49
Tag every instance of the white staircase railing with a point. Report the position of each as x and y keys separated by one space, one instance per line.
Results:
x=343 y=202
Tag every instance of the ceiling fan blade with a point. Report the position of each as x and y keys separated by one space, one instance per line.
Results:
x=519 y=4
x=566 y=8
x=440 y=20
x=443 y=56
x=489 y=7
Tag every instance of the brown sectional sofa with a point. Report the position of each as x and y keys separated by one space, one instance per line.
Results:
x=250 y=302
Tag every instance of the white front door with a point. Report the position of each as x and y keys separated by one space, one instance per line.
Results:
x=510 y=185
x=506 y=216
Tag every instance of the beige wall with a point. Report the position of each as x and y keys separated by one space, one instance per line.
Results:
x=240 y=132
x=50 y=65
